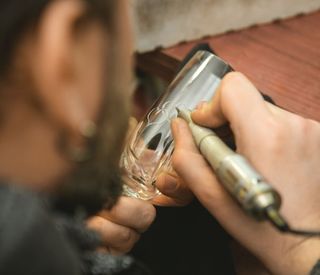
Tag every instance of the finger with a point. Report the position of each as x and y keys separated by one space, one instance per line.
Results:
x=201 y=181
x=214 y=197
x=175 y=193
x=191 y=176
x=236 y=101
x=116 y=238
x=186 y=158
x=182 y=136
x=130 y=212
x=165 y=201
x=200 y=178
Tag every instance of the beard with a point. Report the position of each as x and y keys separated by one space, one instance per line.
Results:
x=96 y=183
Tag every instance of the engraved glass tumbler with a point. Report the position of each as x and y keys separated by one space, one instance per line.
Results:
x=149 y=149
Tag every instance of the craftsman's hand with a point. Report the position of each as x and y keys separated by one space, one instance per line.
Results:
x=174 y=191
x=122 y=226
x=283 y=147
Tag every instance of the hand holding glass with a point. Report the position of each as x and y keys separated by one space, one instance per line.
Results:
x=149 y=149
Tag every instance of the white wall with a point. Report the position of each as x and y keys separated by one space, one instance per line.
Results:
x=168 y=22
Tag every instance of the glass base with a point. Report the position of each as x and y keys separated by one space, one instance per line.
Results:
x=140 y=193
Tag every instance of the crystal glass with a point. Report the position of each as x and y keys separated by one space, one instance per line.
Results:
x=149 y=149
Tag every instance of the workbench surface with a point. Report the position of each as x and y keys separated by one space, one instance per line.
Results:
x=282 y=59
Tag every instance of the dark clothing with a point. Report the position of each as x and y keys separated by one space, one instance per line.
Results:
x=185 y=241
x=35 y=241
x=30 y=243
x=316 y=269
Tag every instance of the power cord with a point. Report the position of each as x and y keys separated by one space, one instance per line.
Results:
x=282 y=225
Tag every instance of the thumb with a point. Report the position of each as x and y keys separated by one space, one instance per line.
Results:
x=209 y=114
x=236 y=101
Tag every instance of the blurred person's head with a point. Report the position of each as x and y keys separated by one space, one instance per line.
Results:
x=65 y=70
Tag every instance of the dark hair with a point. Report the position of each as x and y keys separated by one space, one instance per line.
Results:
x=16 y=17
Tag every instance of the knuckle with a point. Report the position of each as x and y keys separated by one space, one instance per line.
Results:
x=127 y=239
x=96 y=223
x=300 y=124
x=230 y=80
x=299 y=128
x=234 y=86
x=232 y=76
x=125 y=236
x=127 y=248
x=148 y=215
x=309 y=129
x=277 y=136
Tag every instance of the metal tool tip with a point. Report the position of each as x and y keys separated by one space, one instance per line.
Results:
x=184 y=114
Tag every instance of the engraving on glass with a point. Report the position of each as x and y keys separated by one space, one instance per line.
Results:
x=148 y=152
